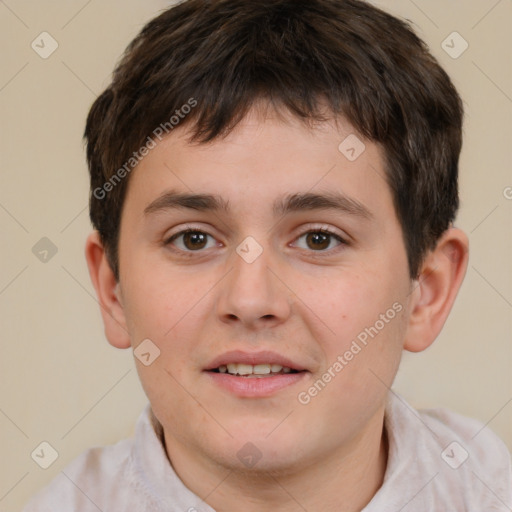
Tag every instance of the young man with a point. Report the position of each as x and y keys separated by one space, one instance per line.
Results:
x=273 y=186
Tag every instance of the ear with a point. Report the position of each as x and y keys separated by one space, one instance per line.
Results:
x=107 y=291
x=435 y=289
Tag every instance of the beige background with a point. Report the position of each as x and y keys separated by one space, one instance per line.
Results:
x=61 y=382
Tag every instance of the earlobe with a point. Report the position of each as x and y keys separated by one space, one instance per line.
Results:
x=107 y=291
x=436 y=288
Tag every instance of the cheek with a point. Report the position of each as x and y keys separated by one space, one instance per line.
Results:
x=157 y=302
x=348 y=302
x=169 y=310
x=164 y=309
x=358 y=316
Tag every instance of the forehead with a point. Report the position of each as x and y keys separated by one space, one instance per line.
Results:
x=267 y=156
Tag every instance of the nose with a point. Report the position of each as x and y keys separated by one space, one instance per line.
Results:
x=253 y=293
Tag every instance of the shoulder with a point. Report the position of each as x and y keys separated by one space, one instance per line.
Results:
x=101 y=478
x=476 y=460
x=134 y=474
x=441 y=460
x=477 y=438
x=83 y=482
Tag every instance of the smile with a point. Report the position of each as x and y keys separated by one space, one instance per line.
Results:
x=256 y=370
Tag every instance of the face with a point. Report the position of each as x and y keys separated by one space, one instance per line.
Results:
x=269 y=271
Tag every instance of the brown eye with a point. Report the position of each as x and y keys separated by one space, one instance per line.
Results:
x=318 y=241
x=191 y=240
x=194 y=240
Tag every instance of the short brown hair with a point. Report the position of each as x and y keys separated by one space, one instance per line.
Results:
x=221 y=56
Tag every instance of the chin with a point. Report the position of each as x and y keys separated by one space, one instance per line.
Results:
x=264 y=462
x=253 y=450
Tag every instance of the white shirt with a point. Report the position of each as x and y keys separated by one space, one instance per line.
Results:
x=438 y=461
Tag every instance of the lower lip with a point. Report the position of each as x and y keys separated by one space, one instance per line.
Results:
x=255 y=387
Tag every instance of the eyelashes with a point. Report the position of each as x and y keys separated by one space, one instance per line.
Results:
x=195 y=237
x=320 y=237
x=315 y=240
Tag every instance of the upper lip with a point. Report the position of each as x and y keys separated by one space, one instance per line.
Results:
x=254 y=358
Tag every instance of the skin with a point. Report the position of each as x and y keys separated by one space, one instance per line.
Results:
x=298 y=299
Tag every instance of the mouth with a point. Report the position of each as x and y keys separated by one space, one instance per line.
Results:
x=254 y=375
x=257 y=371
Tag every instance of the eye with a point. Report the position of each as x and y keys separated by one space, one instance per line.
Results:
x=191 y=240
x=320 y=240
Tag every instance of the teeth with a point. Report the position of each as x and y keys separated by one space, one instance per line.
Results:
x=244 y=369
x=248 y=369
x=261 y=369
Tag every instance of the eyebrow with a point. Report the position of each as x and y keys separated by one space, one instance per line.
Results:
x=324 y=201
x=174 y=200
x=291 y=203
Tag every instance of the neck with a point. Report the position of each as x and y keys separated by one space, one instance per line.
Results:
x=345 y=480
